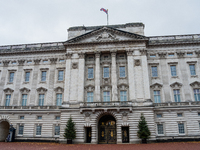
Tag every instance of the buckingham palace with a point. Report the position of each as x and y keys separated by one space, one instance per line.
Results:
x=103 y=77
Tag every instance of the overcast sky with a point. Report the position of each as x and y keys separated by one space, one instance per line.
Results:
x=39 y=21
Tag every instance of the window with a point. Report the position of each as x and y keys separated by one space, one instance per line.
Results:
x=60 y=75
x=39 y=117
x=38 y=129
x=21 y=117
x=179 y=115
x=154 y=71
x=89 y=96
x=8 y=96
x=177 y=96
x=59 y=99
x=173 y=70
x=181 y=129
x=61 y=60
x=21 y=129
x=27 y=76
x=160 y=128
x=105 y=57
x=192 y=70
x=152 y=55
x=57 y=130
x=199 y=125
x=121 y=56
x=90 y=73
x=24 y=99
x=106 y=72
x=123 y=96
x=106 y=96
x=57 y=118
x=171 y=54
x=45 y=61
x=14 y=62
x=156 y=94
x=122 y=72
x=11 y=77
x=43 y=78
x=29 y=62
x=189 y=54
x=159 y=115
x=41 y=99
x=196 y=94
x=198 y=113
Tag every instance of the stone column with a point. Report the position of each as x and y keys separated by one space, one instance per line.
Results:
x=114 y=77
x=97 y=77
x=81 y=77
x=67 y=78
x=131 y=77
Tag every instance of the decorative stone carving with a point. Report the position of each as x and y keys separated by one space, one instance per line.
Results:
x=89 y=88
x=81 y=55
x=68 y=55
x=176 y=85
x=162 y=55
x=180 y=54
x=123 y=86
x=21 y=62
x=41 y=89
x=106 y=87
x=87 y=114
x=37 y=61
x=137 y=62
x=53 y=60
x=105 y=36
x=156 y=86
x=75 y=65
x=124 y=113
x=143 y=51
x=8 y=90
x=197 y=53
x=5 y=63
x=195 y=84
x=25 y=90
x=129 y=53
x=106 y=81
x=97 y=54
x=113 y=53
x=59 y=89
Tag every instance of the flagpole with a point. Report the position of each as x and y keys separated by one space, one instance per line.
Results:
x=107 y=16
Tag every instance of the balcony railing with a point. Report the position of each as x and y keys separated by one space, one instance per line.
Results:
x=176 y=104
x=30 y=107
x=104 y=104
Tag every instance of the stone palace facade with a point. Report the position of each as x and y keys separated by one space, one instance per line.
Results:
x=104 y=77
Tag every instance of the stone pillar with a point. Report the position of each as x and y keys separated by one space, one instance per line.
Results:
x=145 y=74
x=67 y=78
x=97 y=77
x=81 y=77
x=114 y=77
x=131 y=77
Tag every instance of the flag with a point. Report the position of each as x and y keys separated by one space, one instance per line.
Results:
x=105 y=10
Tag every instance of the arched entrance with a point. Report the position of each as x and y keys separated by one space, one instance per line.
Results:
x=4 y=130
x=107 y=130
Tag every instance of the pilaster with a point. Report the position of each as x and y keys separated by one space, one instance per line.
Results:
x=81 y=76
x=131 y=77
x=114 y=77
x=97 y=76
x=67 y=78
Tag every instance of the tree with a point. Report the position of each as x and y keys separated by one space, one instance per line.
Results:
x=70 y=131
x=143 y=132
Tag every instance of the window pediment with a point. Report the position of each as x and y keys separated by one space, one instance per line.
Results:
x=156 y=86
x=59 y=89
x=8 y=90
x=90 y=88
x=106 y=87
x=123 y=86
x=195 y=84
x=41 y=89
x=176 y=85
x=25 y=90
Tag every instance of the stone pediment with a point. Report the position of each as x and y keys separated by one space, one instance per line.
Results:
x=105 y=34
x=176 y=85
x=195 y=84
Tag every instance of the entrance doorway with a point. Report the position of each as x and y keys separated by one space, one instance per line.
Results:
x=107 y=130
x=4 y=130
x=88 y=135
x=125 y=134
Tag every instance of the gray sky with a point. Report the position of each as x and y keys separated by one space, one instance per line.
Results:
x=38 y=21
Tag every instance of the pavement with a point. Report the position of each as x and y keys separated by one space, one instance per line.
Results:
x=57 y=146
